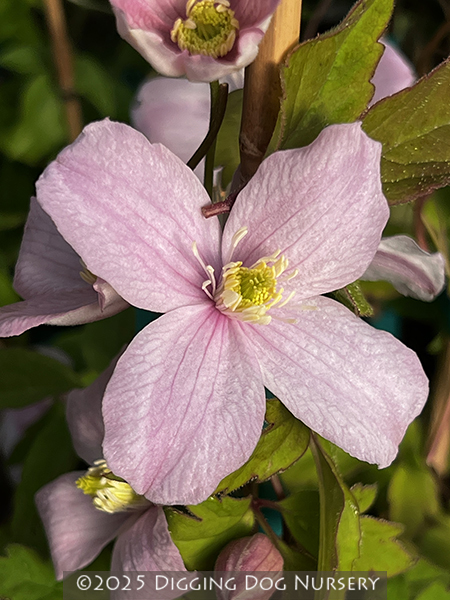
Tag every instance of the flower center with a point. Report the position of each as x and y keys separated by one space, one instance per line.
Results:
x=210 y=28
x=110 y=494
x=250 y=292
x=247 y=293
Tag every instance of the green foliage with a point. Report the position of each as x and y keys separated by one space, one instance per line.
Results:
x=301 y=515
x=227 y=148
x=28 y=377
x=215 y=523
x=413 y=127
x=353 y=298
x=326 y=80
x=25 y=576
x=51 y=454
x=283 y=441
x=350 y=541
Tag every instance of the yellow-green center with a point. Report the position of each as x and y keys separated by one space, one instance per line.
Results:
x=253 y=286
x=110 y=494
x=209 y=29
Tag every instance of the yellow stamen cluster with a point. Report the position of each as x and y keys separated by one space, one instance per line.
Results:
x=210 y=28
x=110 y=494
x=250 y=292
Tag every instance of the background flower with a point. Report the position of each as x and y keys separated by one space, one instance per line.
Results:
x=148 y=25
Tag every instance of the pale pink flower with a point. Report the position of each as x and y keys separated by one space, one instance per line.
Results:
x=204 y=40
x=77 y=531
x=185 y=405
x=57 y=288
x=393 y=73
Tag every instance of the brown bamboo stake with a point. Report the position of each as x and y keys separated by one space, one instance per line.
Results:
x=262 y=89
x=62 y=54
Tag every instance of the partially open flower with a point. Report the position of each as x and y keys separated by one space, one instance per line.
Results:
x=202 y=39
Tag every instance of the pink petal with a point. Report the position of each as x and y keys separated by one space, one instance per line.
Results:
x=132 y=211
x=46 y=262
x=184 y=407
x=147 y=546
x=175 y=113
x=411 y=270
x=84 y=417
x=76 y=530
x=393 y=73
x=61 y=308
x=254 y=14
x=322 y=206
x=151 y=14
x=355 y=385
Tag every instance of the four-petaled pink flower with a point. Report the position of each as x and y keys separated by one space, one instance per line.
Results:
x=202 y=39
x=185 y=405
x=77 y=530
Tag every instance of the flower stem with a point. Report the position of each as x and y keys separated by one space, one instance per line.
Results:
x=62 y=54
x=219 y=97
x=262 y=89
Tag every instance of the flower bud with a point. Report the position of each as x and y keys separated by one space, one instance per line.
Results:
x=245 y=556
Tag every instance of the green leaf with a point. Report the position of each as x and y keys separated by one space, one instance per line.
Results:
x=364 y=495
x=339 y=516
x=436 y=591
x=380 y=550
x=282 y=442
x=21 y=59
x=41 y=128
x=406 y=505
x=434 y=543
x=414 y=126
x=416 y=580
x=25 y=576
x=28 y=377
x=353 y=298
x=227 y=148
x=301 y=515
x=217 y=522
x=50 y=455
x=326 y=80
x=95 y=84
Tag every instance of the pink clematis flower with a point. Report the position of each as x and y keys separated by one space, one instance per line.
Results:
x=77 y=530
x=185 y=405
x=57 y=289
x=202 y=39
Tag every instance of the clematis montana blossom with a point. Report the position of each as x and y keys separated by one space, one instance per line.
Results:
x=393 y=73
x=202 y=39
x=80 y=524
x=58 y=290
x=185 y=405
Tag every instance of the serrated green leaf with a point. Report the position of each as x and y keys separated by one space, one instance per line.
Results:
x=413 y=127
x=25 y=576
x=364 y=495
x=200 y=541
x=227 y=148
x=326 y=79
x=284 y=441
x=50 y=455
x=28 y=377
x=406 y=505
x=380 y=549
x=353 y=298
